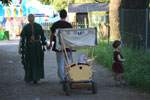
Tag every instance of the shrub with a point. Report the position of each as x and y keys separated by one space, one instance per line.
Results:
x=137 y=65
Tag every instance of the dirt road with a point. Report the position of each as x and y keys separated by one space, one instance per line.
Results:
x=12 y=86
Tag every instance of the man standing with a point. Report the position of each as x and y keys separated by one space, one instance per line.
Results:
x=59 y=56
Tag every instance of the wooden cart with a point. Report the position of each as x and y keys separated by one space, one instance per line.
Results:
x=77 y=75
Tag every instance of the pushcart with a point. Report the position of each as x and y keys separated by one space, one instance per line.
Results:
x=78 y=75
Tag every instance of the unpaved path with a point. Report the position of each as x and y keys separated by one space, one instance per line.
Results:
x=12 y=86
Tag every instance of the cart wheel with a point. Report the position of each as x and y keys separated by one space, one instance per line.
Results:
x=94 y=88
x=68 y=89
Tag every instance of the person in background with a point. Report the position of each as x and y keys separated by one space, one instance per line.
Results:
x=117 y=66
x=59 y=56
x=30 y=46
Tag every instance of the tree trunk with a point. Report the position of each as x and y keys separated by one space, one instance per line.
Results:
x=114 y=20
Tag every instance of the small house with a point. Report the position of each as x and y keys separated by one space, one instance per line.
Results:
x=77 y=12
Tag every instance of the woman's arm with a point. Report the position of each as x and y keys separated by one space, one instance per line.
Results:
x=42 y=36
x=20 y=44
x=22 y=41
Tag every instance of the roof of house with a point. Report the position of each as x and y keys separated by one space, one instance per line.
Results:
x=87 y=7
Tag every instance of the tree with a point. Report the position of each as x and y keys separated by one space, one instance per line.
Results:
x=84 y=1
x=134 y=4
x=102 y=1
x=60 y=4
x=133 y=21
x=114 y=19
x=7 y=2
x=47 y=2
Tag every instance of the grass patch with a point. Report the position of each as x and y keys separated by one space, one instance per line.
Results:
x=137 y=65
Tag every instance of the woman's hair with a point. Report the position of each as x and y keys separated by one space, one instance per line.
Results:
x=63 y=13
x=116 y=44
x=31 y=18
x=31 y=21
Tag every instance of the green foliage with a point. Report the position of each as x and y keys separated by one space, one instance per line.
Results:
x=84 y=1
x=134 y=4
x=137 y=70
x=47 y=2
x=60 y=4
x=102 y=1
x=90 y=1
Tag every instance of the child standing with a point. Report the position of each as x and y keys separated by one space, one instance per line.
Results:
x=117 y=66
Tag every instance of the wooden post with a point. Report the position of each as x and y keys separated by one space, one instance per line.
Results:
x=64 y=47
x=85 y=22
x=92 y=56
